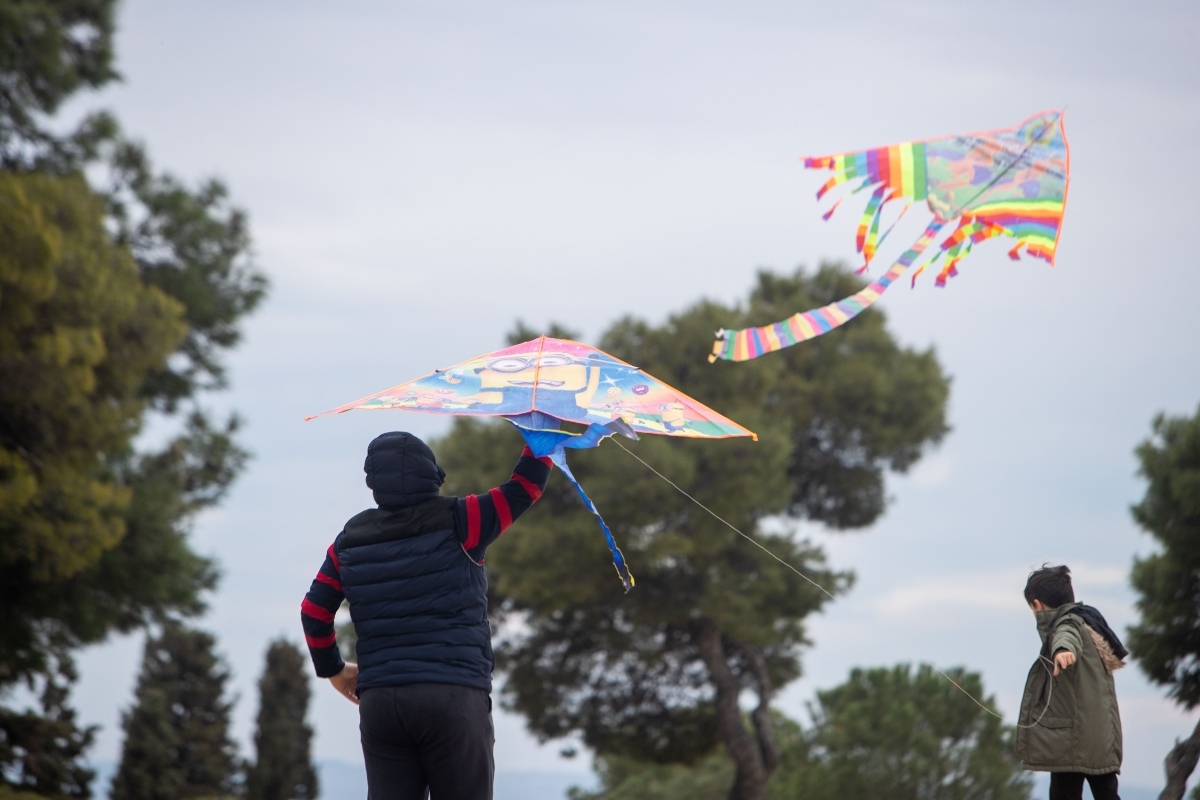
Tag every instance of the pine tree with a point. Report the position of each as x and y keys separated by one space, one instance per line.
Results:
x=884 y=733
x=899 y=732
x=1166 y=641
x=48 y=52
x=657 y=674
x=177 y=743
x=284 y=769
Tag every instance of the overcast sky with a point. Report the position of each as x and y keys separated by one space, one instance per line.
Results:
x=420 y=175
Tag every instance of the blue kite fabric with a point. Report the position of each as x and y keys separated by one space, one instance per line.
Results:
x=543 y=438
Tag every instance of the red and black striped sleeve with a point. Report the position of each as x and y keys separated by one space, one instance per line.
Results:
x=320 y=605
x=482 y=518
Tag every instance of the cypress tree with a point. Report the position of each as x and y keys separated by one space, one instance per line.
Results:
x=284 y=769
x=177 y=743
x=42 y=753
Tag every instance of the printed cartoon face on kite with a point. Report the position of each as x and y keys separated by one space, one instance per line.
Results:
x=562 y=382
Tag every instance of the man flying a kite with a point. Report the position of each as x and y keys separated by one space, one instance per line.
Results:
x=412 y=571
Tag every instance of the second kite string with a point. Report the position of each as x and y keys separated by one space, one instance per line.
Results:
x=760 y=546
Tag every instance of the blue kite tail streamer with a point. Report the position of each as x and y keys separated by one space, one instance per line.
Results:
x=560 y=459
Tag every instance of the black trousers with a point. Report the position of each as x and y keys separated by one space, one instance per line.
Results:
x=427 y=740
x=1069 y=786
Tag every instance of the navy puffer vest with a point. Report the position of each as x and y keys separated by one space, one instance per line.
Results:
x=418 y=602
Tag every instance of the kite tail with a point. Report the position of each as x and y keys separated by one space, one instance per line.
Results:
x=748 y=343
x=868 y=224
x=970 y=232
x=560 y=459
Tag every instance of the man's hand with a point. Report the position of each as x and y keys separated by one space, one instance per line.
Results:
x=1063 y=659
x=346 y=682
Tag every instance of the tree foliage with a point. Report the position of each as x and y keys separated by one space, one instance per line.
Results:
x=92 y=533
x=49 y=50
x=117 y=299
x=707 y=777
x=283 y=769
x=1166 y=640
x=626 y=778
x=78 y=333
x=113 y=302
x=898 y=734
x=177 y=743
x=194 y=247
x=656 y=673
x=43 y=751
x=891 y=734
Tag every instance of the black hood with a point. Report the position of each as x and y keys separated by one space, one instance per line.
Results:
x=401 y=470
x=1095 y=620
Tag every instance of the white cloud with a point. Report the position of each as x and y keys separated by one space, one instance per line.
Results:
x=998 y=590
x=993 y=591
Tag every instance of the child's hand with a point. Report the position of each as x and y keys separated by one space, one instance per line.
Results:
x=346 y=682
x=1063 y=659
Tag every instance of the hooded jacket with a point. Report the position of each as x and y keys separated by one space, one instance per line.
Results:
x=1071 y=723
x=412 y=571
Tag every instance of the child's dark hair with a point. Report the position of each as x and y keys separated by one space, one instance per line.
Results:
x=1051 y=585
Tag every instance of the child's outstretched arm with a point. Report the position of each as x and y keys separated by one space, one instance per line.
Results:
x=1065 y=645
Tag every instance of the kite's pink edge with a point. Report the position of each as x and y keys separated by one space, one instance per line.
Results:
x=753 y=436
x=1062 y=128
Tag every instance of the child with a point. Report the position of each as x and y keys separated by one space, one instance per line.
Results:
x=1069 y=723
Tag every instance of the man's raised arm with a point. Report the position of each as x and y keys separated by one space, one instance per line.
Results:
x=483 y=517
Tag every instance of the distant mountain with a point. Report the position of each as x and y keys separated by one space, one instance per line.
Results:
x=540 y=785
x=342 y=780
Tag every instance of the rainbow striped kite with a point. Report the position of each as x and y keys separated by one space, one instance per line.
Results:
x=1010 y=182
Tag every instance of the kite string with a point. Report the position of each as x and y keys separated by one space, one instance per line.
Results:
x=719 y=518
x=760 y=546
x=1049 y=694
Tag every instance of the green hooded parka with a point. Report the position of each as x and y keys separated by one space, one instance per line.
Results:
x=1079 y=730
